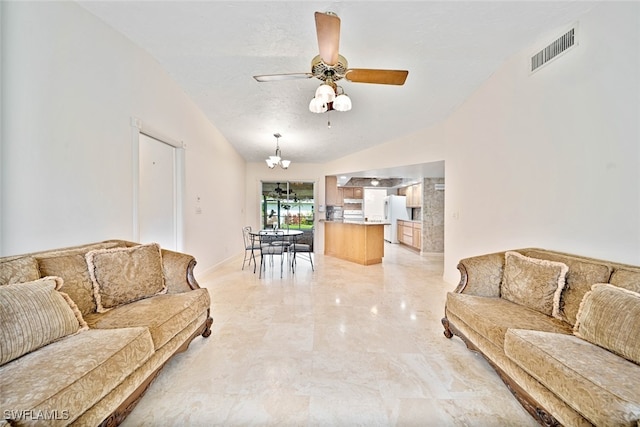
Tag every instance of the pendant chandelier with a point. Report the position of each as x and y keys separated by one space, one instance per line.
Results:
x=276 y=160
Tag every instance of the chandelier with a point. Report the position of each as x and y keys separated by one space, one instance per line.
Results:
x=276 y=160
x=329 y=96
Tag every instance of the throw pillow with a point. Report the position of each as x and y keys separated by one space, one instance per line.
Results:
x=534 y=283
x=19 y=270
x=77 y=283
x=609 y=316
x=35 y=314
x=124 y=275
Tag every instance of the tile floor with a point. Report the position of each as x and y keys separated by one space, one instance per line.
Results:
x=346 y=345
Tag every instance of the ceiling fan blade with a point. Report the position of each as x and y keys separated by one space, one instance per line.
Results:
x=280 y=77
x=384 y=77
x=328 y=30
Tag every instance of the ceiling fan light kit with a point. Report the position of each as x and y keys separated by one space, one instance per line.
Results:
x=325 y=93
x=317 y=106
x=329 y=96
x=342 y=102
x=276 y=160
x=329 y=66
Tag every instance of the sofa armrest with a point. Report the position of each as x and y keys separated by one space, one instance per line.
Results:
x=481 y=275
x=178 y=271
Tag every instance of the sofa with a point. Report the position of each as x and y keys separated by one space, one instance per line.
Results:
x=84 y=330
x=561 y=330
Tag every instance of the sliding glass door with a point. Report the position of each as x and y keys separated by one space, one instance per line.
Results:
x=288 y=205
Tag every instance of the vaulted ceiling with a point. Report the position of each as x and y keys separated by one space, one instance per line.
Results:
x=212 y=49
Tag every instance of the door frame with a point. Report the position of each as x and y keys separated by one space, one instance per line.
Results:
x=137 y=128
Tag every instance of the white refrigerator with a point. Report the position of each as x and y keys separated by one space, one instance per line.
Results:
x=395 y=208
x=374 y=204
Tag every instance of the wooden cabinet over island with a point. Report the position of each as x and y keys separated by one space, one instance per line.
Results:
x=356 y=241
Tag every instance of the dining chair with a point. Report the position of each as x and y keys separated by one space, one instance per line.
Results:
x=272 y=243
x=251 y=244
x=305 y=250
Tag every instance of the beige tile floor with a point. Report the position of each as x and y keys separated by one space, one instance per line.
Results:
x=346 y=345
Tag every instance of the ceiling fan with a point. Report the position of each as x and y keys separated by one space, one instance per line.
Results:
x=279 y=192
x=329 y=66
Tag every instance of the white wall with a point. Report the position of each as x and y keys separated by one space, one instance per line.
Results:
x=420 y=147
x=552 y=159
x=70 y=85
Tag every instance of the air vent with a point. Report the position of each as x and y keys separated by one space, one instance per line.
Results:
x=561 y=45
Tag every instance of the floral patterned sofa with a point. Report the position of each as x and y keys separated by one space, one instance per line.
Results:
x=84 y=330
x=561 y=330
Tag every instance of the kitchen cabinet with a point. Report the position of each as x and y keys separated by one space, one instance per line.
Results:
x=352 y=192
x=358 y=242
x=417 y=236
x=407 y=234
x=400 y=231
x=414 y=196
x=410 y=234
x=333 y=194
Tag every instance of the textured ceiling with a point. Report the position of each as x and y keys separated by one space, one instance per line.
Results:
x=213 y=48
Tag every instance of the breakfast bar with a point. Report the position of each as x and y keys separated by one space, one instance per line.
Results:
x=356 y=241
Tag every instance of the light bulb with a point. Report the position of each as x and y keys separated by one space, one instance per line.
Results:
x=325 y=93
x=317 y=106
x=342 y=103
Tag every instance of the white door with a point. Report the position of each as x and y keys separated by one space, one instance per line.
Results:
x=157 y=193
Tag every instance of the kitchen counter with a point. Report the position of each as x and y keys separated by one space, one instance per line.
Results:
x=361 y=242
x=360 y=222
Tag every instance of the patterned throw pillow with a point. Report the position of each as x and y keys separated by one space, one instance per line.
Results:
x=534 y=283
x=35 y=314
x=77 y=283
x=609 y=316
x=19 y=270
x=124 y=275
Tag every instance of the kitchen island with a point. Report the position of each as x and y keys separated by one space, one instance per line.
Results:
x=356 y=241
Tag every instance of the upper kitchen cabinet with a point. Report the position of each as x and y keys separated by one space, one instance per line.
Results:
x=333 y=195
x=414 y=195
x=352 y=192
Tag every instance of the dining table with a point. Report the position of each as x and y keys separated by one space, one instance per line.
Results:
x=286 y=232
x=289 y=234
